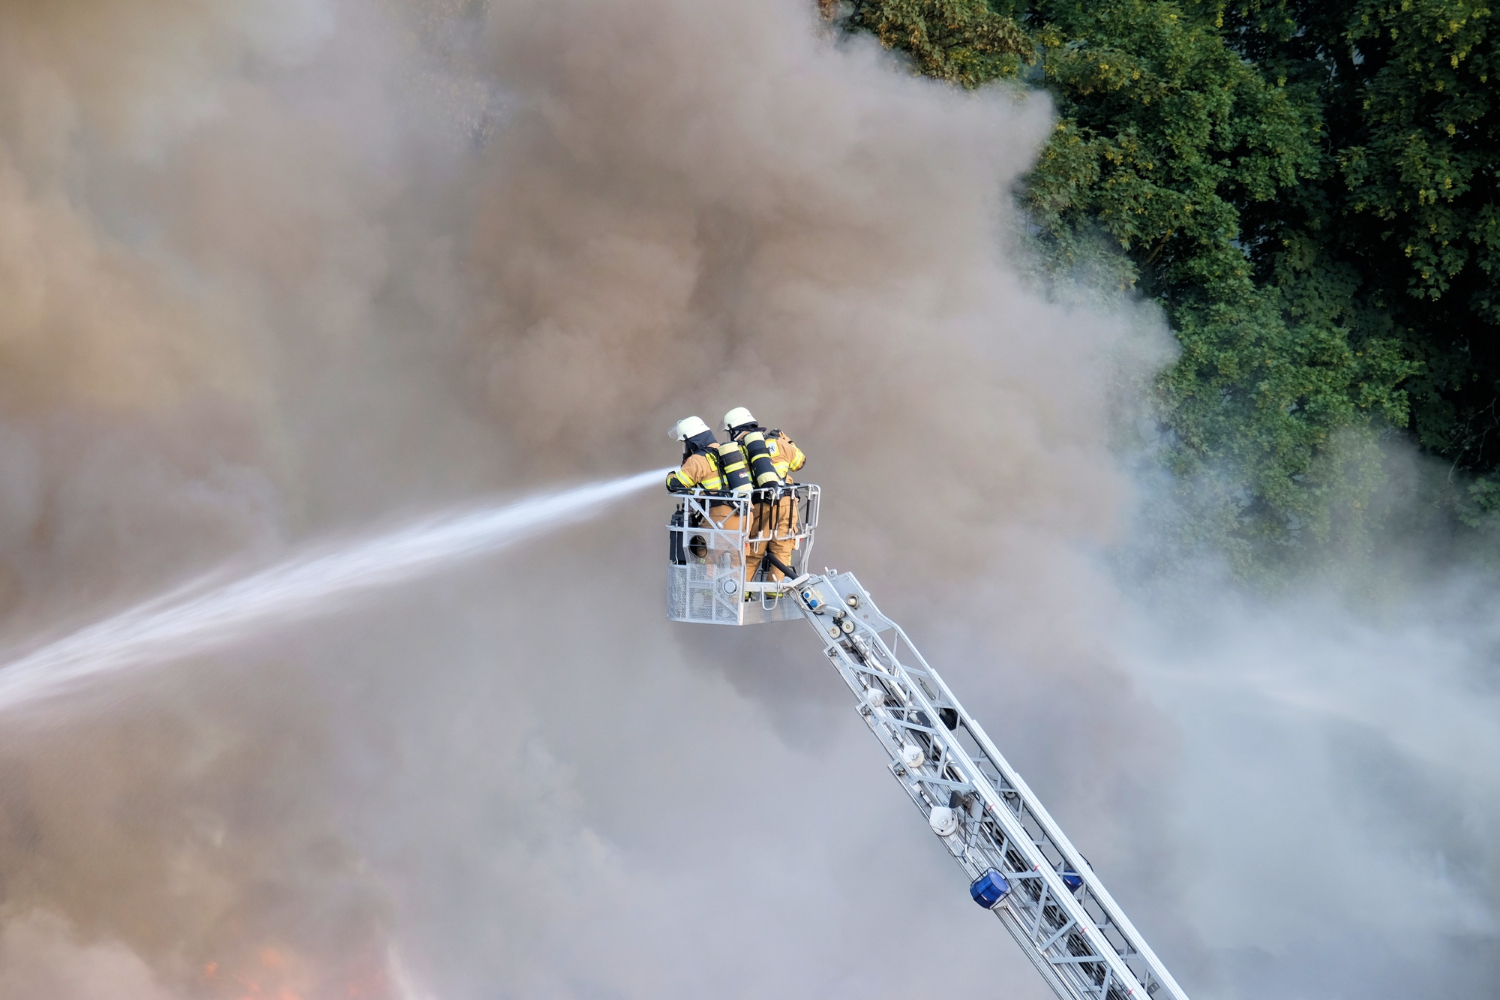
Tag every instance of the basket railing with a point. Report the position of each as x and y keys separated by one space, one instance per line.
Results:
x=723 y=551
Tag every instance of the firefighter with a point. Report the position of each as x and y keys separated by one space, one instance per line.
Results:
x=772 y=458
x=719 y=469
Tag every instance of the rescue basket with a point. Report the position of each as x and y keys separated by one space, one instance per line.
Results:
x=719 y=558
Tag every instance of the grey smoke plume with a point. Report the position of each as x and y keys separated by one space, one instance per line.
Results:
x=281 y=269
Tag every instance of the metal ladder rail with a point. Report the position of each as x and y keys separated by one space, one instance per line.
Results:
x=1092 y=892
x=1072 y=965
x=1076 y=936
x=1103 y=908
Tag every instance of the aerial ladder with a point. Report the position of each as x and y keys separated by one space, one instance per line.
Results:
x=1020 y=865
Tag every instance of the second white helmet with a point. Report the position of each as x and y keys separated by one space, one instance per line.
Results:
x=737 y=417
x=688 y=427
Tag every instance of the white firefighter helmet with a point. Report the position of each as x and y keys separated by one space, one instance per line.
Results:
x=688 y=427
x=737 y=417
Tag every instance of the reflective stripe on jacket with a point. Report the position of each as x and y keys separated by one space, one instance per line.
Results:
x=733 y=466
x=785 y=455
x=757 y=449
x=697 y=470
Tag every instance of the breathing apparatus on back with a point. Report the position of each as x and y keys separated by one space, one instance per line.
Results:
x=742 y=429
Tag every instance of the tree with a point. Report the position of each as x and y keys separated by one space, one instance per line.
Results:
x=1307 y=188
x=961 y=41
x=1180 y=152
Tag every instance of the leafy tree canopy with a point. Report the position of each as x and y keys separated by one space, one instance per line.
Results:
x=1308 y=189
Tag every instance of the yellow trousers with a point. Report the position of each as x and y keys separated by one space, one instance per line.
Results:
x=773 y=524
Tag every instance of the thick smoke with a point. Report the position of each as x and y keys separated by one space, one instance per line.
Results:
x=278 y=269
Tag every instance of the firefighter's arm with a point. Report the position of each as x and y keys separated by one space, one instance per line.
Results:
x=794 y=455
x=690 y=476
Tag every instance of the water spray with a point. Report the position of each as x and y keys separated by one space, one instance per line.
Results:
x=208 y=614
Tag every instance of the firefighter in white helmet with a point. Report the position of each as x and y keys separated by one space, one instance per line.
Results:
x=719 y=469
x=772 y=457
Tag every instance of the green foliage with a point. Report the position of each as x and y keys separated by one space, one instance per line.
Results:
x=1407 y=203
x=961 y=41
x=1167 y=133
x=1308 y=190
x=1482 y=505
x=1428 y=143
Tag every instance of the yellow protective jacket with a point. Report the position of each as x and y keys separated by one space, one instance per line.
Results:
x=697 y=470
x=785 y=455
x=781 y=452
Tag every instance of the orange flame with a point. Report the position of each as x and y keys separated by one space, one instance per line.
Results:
x=275 y=973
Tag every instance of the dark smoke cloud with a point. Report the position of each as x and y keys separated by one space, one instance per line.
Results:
x=281 y=268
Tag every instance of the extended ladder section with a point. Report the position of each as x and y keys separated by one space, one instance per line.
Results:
x=1020 y=865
